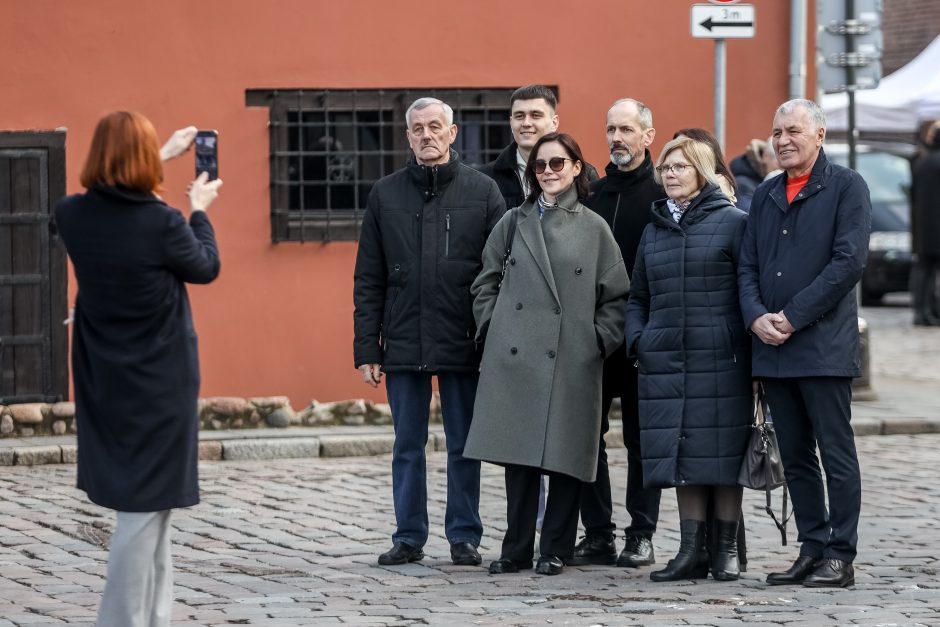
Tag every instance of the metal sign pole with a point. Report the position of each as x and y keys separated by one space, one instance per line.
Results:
x=850 y=80
x=720 y=100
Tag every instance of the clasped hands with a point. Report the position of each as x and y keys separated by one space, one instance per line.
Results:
x=773 y=328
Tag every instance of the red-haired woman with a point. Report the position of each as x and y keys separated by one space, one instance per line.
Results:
x=135 y=366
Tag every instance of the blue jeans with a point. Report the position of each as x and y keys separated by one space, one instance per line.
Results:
x=409 y=395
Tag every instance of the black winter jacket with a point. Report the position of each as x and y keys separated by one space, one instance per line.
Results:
x=503 y=171
x=684 y=324
x=420 y=248
x=804 y=258
x=624 y=199
x=925 y=202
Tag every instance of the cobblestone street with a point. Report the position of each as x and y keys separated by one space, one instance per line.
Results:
x=295 y=541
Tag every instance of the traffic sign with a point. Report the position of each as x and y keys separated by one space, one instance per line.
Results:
x=710 y=21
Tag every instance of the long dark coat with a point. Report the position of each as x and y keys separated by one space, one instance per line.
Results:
x=805 y=258
x=685 y=327
x=925 y=202
x=558 y=313
x=135 y=365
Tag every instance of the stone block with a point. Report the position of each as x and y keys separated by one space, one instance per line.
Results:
x=280 y=418
x=6 y=457
x=866 y=426
x=356 y=445
x=69 y=453
x=897 y=426
x=37 y=455
x=210 y=451
x=59 y=427
x=270 y=403
x=227 y=405
x=63 y=410
x=6 y=424
x=271 y=448
x=27 y=413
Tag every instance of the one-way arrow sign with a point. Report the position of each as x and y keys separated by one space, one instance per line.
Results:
x=735 y=21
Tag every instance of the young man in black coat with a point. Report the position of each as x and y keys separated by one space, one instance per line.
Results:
x=623 y=197
x=804 y=250
x=532 y=115
x=420 y=248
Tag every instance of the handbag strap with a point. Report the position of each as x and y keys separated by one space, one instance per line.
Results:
x=781 y=524
x=510 y=236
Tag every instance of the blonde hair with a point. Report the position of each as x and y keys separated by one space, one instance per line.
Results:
x=699 y=155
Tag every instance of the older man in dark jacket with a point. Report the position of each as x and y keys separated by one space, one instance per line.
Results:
x=623 y=198
x=419 y=250
x=804 y=250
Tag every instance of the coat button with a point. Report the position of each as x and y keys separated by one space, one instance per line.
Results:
x=512 y=261
x=551 y=354
x=397 y=266
x=518 y=305
x=784 y=231
x=557 y=310
x=513 y=350
x=577 y=270
x=780 y=274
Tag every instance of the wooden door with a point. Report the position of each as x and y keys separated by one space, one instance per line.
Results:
x=33 y=278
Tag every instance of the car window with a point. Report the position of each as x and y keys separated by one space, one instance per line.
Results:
x=889 y=180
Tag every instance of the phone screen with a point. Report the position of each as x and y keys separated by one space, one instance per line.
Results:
x=207 y=153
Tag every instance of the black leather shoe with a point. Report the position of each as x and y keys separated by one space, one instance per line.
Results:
x=830 y=573
x=505 y=565
x=549 y=565
x=401 y=553
x=593 y=549
x=465 y=554
x=638 y=551
x=802 y=567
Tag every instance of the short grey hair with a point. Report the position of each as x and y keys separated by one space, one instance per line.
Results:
x=425 y=102
x=816 y=113
x=644 y=113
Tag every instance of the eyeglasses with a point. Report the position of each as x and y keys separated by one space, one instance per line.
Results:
x=675 y=168
x=557 y=164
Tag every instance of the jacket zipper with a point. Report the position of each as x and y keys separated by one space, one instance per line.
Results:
x=447 y=235
x=613 y=224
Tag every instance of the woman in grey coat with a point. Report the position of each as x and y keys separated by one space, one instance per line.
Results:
x=548 y=326
x=684 y=324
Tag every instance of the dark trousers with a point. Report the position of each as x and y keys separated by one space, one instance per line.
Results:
x=810 y=412
x=924 y=288
x=620 y=379
x=409 y=396
x=560 y=526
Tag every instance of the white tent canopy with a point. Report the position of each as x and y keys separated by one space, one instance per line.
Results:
x=901 y=101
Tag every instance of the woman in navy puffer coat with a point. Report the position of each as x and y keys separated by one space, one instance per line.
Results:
x=684 y=326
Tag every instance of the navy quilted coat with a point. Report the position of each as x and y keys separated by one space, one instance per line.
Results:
x=684 y=326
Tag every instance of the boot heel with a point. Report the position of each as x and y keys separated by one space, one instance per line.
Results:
x=700 y=572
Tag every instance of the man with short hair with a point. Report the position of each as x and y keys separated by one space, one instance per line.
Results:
x=623 y=197
x=803 y=253
x=420 y=248
x=532 y=115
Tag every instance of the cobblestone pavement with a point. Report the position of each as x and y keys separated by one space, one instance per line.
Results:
x=294 y=542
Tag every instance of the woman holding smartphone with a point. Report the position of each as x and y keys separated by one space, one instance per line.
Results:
x=135 y=365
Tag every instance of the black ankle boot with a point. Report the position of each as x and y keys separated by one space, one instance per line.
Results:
x=691 y=562
x=724 y=564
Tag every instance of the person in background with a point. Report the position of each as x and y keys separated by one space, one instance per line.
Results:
x=419 y=250
x=135 y=361
x=623 y=198
x=685 y=329
x=548 y=322
x=749 y=170
x=925 y=229
x=804 y=250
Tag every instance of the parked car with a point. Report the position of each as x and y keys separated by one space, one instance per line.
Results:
x=886 y=167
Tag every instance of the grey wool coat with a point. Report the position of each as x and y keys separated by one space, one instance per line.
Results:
x=559 y=311
x=685 y=326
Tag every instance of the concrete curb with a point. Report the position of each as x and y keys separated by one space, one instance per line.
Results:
x=292 y=442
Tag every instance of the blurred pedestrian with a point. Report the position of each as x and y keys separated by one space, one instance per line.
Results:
x=548 y=322
x=925 y=229
x=684 y=327
x=135 y=363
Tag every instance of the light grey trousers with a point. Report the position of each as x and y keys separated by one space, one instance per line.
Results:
x=139 y=588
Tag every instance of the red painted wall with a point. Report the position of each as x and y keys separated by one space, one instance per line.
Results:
x=279 y=319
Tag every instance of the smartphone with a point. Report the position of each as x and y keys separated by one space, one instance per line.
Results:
x=207 y=153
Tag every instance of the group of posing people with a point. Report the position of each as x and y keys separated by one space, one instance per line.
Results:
x=648 y=284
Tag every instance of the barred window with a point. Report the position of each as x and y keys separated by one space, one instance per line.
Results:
x=328 y=147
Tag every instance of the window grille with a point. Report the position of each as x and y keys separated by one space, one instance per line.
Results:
x=328 y=147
